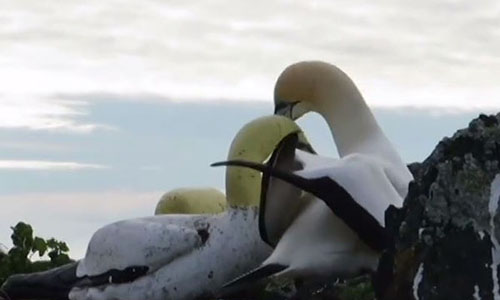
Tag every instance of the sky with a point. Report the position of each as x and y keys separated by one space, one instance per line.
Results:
x=106 y=105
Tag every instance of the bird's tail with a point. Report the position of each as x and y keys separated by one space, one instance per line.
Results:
x=53 y=284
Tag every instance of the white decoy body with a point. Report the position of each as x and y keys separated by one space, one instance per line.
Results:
x=344 y=233
x=179 y=256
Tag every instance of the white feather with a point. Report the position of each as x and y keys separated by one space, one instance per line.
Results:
x=369 y=169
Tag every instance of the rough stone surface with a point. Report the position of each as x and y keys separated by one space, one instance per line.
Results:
x=443 y=248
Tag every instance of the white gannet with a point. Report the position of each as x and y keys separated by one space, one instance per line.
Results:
x=358 y=188
x=171 y=256
x=324 y=88
x=193 y=200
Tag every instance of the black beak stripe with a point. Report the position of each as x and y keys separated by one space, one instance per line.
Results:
x=279 y=106
x=282 y=105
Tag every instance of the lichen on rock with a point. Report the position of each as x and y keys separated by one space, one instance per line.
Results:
x=442 y=233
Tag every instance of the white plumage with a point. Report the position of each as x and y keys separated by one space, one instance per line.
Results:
x=340 y=227
x=325 y=89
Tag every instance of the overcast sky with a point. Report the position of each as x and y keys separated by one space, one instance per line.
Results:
x=109 y=100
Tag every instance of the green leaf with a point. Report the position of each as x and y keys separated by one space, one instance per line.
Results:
x=22 y=236
x=60 y=260
x=52 y=243
x=40 y=246
x=63 y=246
x=17 y=259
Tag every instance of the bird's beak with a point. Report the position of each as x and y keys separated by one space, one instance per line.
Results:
x=285 y=109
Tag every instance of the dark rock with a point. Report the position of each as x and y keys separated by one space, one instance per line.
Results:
x=444 y=233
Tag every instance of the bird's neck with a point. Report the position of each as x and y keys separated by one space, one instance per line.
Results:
x=352 y=124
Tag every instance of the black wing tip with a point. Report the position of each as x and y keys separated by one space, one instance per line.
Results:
x=241 y=163
x=219 y=164
x=233 y=162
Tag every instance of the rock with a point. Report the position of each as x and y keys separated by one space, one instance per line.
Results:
x=444 y=234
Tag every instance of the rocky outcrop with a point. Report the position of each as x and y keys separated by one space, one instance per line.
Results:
x=446 y=231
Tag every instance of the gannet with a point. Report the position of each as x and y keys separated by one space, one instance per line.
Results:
x=341 y=229
x=324 y=88
x=195 y=200
x=171 y=256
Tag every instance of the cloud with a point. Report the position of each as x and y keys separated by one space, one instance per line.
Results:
x=23 y=145
x=72 y=217
x=30 y=112
x=47 y=165
x=400 y=54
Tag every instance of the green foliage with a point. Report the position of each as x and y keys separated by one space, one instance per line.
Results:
x=359 y=291
x=18 y=258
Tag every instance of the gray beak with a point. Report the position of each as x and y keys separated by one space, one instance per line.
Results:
x=285 y=109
